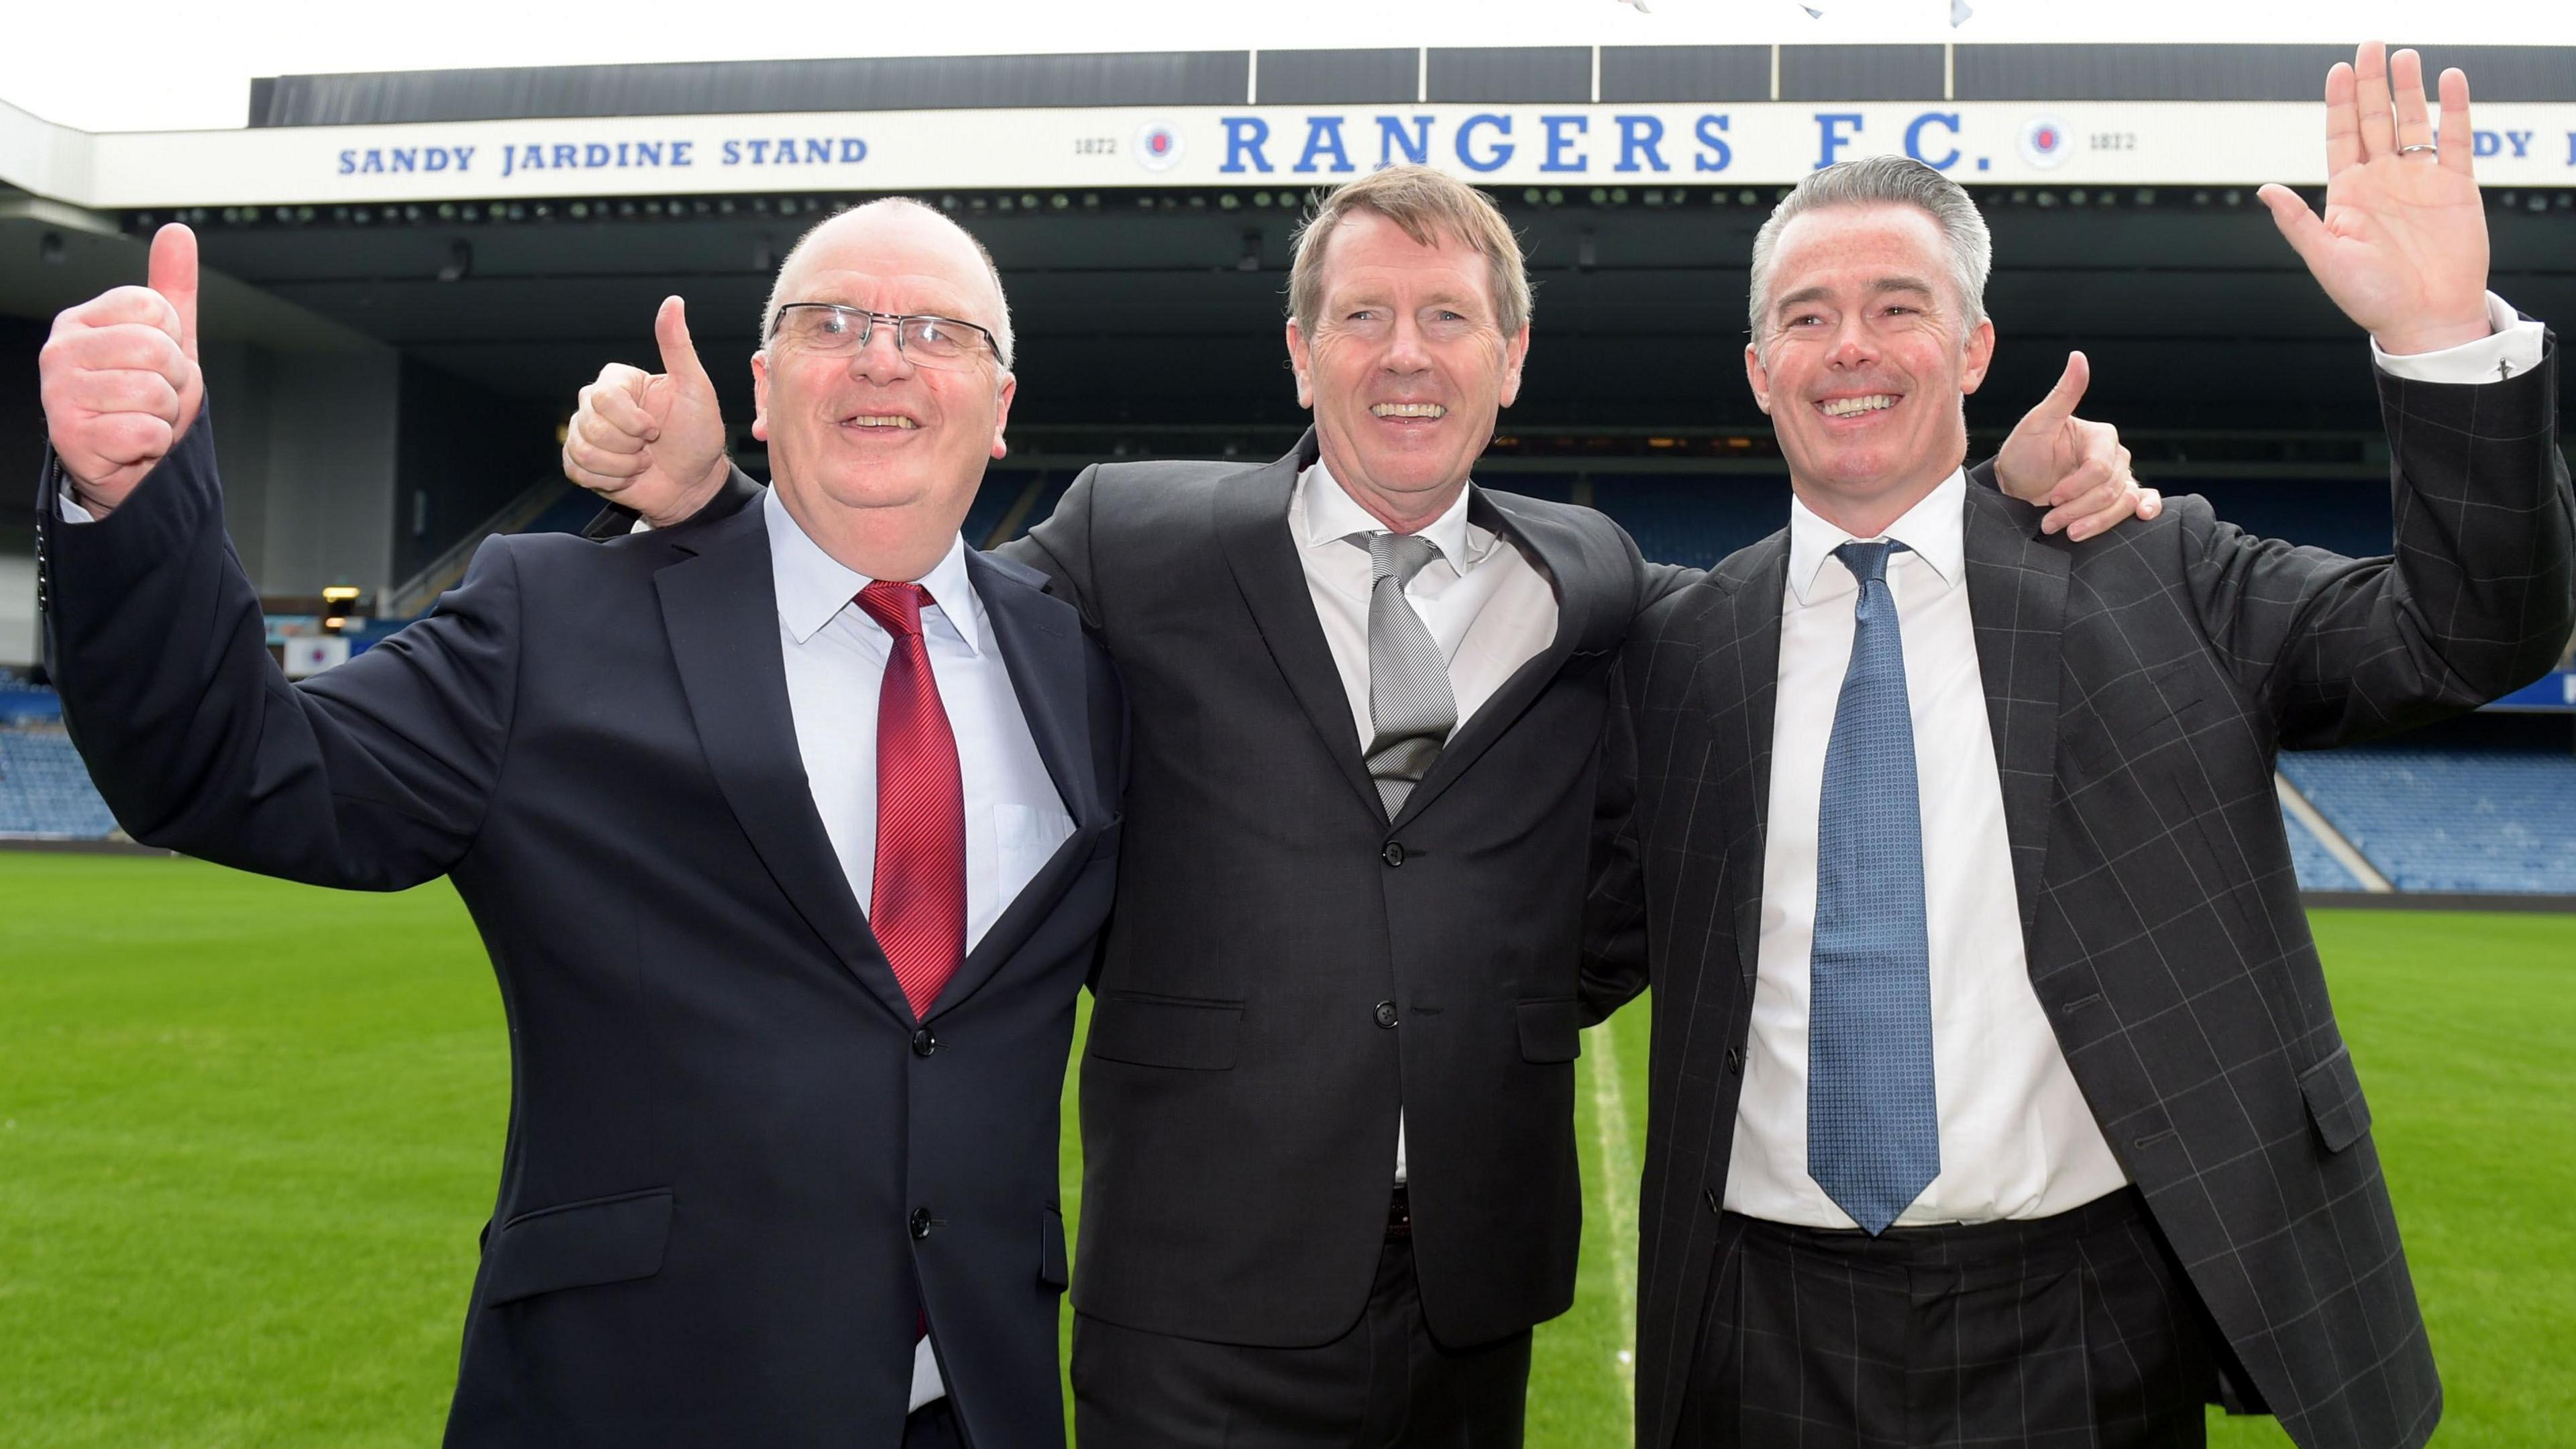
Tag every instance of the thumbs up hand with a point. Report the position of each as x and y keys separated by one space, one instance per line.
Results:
x=119 y=376
x=2077 y=468
x=653 y=442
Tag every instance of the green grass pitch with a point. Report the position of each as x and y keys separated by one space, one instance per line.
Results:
x=248 y=1131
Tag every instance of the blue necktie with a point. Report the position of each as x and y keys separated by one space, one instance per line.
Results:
x=1873 y=1132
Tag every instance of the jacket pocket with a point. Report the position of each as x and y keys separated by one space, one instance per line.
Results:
x=577 y=1245
x=1551 y=1030
x=1166 y=1031
x=2333 y=1093
x=1051 y=1271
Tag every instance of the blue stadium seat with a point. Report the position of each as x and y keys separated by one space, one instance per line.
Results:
x=2487 y=821
x=569 y=513
x=23 y=703
x=1693 y=521
x=45 y=789
x=2318 y=869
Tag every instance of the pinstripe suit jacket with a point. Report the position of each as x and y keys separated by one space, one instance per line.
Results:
x=2139 y=688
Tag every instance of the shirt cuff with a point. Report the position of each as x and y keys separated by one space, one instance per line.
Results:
x=2514 y=349
x=65 y=504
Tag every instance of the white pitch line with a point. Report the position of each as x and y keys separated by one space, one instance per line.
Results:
x=1619 y=1195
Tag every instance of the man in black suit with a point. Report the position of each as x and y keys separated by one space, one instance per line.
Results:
x=1996 y=1097
x=1329 y=1173
x=781 y=1170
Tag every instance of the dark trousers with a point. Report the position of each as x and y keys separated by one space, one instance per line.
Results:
x=1386 y=1383
x=2073 y=1332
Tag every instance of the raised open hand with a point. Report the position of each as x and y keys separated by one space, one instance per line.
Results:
x=653 y=442
x=119 y=376
x=2402 y=247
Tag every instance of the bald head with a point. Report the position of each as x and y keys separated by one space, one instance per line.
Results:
x=897 y=235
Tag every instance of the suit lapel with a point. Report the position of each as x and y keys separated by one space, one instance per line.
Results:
x=1042 y=646
x=1252 y=527
x=1560 y=557
x=1747 y=678
x=720 y=611
x=2017 y=597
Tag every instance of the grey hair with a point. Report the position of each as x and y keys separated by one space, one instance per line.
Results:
x=1891 y=180
x=1001 y=325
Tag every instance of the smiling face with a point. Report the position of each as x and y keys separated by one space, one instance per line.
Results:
x=874 y=455
x=1406 y=369
x=1861 y=359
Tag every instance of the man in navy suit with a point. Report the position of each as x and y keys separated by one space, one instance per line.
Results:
x=790 y=835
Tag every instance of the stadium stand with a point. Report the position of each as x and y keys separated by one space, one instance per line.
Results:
x=2429 y=816
x=2317 y=867
x=570 y=512
x=2444 y=819
x=22 y=703
x=45 y=792
x=1693 y=521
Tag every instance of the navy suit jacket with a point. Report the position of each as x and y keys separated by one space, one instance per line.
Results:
x=737 y=1167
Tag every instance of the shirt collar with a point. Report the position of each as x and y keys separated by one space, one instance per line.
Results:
x=1934 y=528
x=1330 y=515
x=813 y=586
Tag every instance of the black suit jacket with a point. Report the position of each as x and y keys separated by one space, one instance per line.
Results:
x=1240 y=1088
x=732 y=1151
x=1285 y=966
x=2138 y=688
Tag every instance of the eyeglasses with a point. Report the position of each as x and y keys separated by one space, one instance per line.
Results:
x=829 y=329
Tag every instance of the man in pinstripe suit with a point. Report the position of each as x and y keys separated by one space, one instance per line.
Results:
x=1996 y=1095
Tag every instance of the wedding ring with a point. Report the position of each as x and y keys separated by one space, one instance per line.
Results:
x=2411 y=150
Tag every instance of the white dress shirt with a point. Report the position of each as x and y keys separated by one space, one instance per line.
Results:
x=1488 y=610
x=836 y=657
x=2017 y=1138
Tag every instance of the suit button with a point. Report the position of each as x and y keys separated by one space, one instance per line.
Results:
x=924 y=1042
x=921 y=1222
x=1709 y=1194
x=1734 y=1060
x=1386 y=1014
x=1393 y=854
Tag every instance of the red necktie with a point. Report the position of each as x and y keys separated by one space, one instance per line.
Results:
x=918 y=905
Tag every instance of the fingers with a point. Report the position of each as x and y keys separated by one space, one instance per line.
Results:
x=2343 y=121
x=124 y=306
x=2079 y=492
x=120 y=390
x=2406 y=82
x=2371 y=101
x=2459 y=143
x=2104 y=507
x=612 y=413
x=598 y=469
x=2306 y=235
x=679 y=354
x=125 y=440
x=119 y=346
x=173 y=274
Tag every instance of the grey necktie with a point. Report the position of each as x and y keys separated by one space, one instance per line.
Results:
x=1410 y=704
